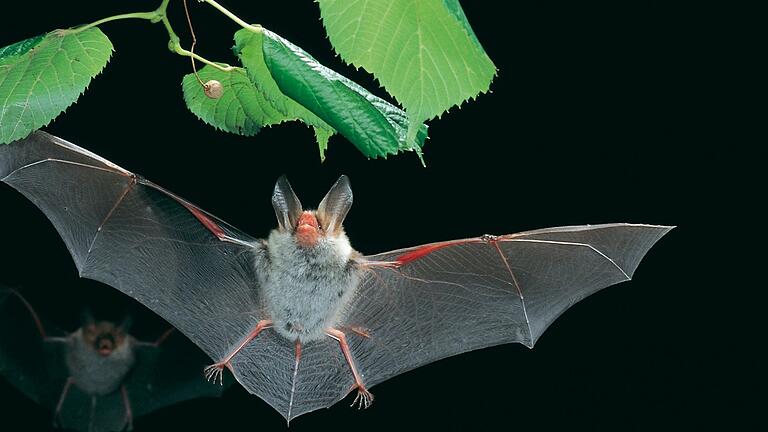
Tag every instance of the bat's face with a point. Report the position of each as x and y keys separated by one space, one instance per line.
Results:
x=103 y=337
x=309 y=227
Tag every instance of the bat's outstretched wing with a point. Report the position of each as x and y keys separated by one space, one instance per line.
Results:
x=29 y=358
x=186 y=265
x=422 y=304
x=167 y=373
x=189 y=267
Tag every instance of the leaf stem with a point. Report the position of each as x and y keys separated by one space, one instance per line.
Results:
x=160 y=15
x=233 y=17
x=175 y=46
x=220 y=66
x=194 y=41
x=151 y=16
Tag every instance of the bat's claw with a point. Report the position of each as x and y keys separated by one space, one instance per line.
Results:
x=364 y=398
x=215 y=372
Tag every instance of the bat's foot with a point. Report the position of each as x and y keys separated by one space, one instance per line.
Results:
x=364 y=398
x=215 y=372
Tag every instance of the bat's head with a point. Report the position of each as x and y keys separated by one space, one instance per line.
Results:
x=105 y=337
x=309 y=227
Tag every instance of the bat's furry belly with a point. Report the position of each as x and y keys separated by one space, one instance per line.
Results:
x=94 y=374
x=305 y=291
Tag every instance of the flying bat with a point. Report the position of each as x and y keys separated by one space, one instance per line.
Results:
x=301 y=319
x=98 y=377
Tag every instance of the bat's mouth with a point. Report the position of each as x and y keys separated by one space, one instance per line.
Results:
x=105 y=346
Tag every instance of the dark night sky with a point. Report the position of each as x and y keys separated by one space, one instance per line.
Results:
x=587 y=122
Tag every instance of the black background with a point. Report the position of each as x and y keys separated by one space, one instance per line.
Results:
x=588 y=122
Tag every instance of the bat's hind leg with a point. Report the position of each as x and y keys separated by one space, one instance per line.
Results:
x=215 y=372
x=127 y=408
x=60 y=403
x=364 y=398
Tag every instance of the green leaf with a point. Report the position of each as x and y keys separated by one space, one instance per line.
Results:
x=322 y=136
x=424 y=52
x=281 y=82
x=248 y=47
x=241 y=109
x=376 y=127
x=41 y=76
x=455 y=8
x=20 y=48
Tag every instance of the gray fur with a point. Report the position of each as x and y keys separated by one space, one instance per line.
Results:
x=94 y=374
x=305 y=288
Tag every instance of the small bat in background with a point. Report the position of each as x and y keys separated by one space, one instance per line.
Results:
x=302 y=319
x=98 y=377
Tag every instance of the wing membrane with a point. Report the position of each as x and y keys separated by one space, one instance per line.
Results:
x=473 y=293
x=126 y=232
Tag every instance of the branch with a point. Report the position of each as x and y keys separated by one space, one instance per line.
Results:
x=233 y=17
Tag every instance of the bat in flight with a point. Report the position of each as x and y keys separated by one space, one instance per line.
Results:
x=302 y=319
x=98 y=377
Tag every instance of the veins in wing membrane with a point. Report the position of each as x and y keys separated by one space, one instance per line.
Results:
x=411 y=256
x=517 y=286
x=203 y=217
x=128 y=187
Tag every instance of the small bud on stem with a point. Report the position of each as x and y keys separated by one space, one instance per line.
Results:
x=213 y=89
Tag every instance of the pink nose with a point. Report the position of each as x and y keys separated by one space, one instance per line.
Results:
x=307 y=218
x=307 y=230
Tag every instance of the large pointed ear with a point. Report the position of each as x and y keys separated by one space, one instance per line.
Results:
x=334 y=207
x=86 y=317
x=125 y=324
x=287 y=205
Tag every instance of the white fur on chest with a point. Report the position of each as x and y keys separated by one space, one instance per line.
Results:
x=305 y=289
x=93 y=373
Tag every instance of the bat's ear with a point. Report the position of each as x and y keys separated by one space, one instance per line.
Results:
x=286 y=203
x=86 y=317
x=125 y=324
x=334 y=207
